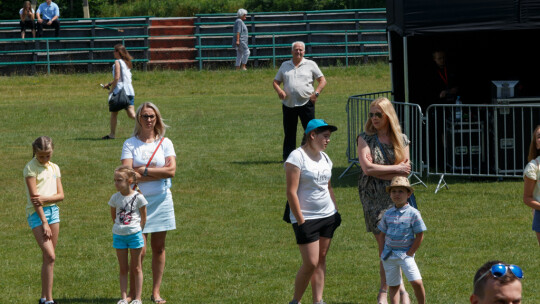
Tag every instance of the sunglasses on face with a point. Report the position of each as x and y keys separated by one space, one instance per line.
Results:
x=148 y=117
x=500 y=270
x=377 y=114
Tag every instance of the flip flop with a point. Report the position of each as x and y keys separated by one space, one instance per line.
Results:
x=158 y=300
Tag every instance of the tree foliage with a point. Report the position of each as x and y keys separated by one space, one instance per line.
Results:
x=184 y=8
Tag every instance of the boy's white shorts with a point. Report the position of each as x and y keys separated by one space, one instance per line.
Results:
x=392 y=267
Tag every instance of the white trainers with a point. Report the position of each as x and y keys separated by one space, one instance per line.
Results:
x=136 y=302
x=122 y=301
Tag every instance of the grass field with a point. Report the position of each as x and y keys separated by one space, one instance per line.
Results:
x=231 y=245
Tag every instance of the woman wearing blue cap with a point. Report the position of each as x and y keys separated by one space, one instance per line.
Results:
x=313 y=210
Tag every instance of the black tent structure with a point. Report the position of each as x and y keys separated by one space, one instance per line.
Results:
x=484 y=40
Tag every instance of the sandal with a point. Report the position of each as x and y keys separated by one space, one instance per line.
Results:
x=107 y=137
x=380 y=300
x=158 y=300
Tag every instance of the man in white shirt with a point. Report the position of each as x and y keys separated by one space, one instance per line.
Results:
x=298 y=96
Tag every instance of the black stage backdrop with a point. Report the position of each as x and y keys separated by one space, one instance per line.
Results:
x=484 y=40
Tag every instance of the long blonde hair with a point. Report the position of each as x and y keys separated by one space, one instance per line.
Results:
x=533 y=151
x=159 y=128
x=395 y=134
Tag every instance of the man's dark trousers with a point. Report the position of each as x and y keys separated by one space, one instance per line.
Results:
x=290 y=121
x=55 y=24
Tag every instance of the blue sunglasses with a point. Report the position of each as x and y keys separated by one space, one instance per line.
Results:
x=500 y=270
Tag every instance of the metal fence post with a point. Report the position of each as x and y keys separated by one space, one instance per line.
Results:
x=48 y=59
x=346 y=49
x=274 y=50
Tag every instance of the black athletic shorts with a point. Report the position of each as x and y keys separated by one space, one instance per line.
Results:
x=311 y=230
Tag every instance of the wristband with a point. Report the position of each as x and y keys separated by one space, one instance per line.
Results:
x=317 y=94
x=145 y=171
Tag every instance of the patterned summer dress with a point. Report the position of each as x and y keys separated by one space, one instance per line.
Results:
x=375 y=200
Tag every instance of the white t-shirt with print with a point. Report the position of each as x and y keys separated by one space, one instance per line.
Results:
x=313 y=193
x=128 y=216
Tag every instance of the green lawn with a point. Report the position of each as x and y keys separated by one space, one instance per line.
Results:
x=231 y=245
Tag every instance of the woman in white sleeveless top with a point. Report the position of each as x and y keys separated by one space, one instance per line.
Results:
x=122 y=79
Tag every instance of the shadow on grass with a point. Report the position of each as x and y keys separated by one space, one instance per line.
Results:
x=350 y=179
x=83 y=300
x=256 y=162
x=90 y=139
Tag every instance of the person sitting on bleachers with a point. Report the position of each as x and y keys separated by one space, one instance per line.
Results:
x=51 y=14
x=27 y=19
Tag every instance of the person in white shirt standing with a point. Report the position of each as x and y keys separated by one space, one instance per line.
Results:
x=313 y=209
x=298 y=96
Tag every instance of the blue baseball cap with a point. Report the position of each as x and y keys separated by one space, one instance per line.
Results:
x=319 y=123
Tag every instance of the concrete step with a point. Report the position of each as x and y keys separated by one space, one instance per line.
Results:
x=169 y=30
x=172 y=53
x=178 y=64
x=171 y=42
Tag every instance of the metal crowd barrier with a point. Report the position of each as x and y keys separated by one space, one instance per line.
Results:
x=411 y=120
x=479 y=140
x=458 y=140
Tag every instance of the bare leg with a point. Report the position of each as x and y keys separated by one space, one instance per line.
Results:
x=317 y=279
x=136 y=269
x=538 y=237
x=310 y=260
x=48 y=247
x=419 y=291
x=382 y=296
x=34 y=33
x=157 y=243
x=394 y=294
x=130 y=112
x=122 y=255
x=22 y=34
x=132 y=279
x=114 y=119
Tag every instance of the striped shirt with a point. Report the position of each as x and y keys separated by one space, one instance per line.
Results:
x=400 y=226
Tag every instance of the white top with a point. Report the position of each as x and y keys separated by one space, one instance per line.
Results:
x=313 y=194
x=532 y=171
x=27 y=16
x=141 y=152
x=128 y=216
x=125 y=79
x=298 y=81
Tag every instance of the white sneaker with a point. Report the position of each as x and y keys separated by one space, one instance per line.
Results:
x=136 y=302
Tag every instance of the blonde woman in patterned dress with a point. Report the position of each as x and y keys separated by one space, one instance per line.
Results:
x=383 y=152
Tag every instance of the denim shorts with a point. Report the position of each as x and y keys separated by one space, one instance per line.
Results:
x=131 y=100
x=52 y=214
x=536 y=221
x=131 y=241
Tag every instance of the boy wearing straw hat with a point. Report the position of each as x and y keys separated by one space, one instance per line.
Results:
x=403 y=230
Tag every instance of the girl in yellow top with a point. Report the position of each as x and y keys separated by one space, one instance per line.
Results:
x=44 y=190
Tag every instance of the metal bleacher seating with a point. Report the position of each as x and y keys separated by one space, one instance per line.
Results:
x=84 y=44
x=332 y=35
